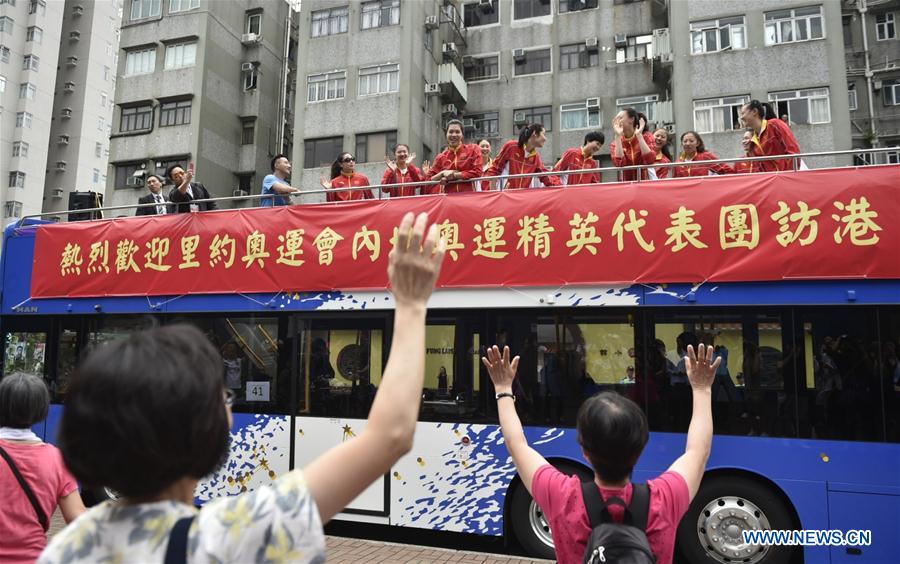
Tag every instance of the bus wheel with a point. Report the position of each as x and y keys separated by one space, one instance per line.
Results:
x=724 y=507
x=95 y=496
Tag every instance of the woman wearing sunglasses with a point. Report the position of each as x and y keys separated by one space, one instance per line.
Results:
x=344 y=175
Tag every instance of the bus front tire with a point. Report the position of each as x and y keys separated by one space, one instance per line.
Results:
x=724 y=506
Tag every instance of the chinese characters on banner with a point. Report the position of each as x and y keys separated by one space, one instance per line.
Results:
x=812 y=224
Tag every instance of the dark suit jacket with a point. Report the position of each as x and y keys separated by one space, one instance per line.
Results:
x=183 y=201
x=151 y=210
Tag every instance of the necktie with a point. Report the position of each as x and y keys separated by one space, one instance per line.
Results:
x=161 y=210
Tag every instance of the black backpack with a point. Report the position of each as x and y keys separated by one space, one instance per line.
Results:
x=617 y=543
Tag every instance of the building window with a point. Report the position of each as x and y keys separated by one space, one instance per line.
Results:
x=477 y=13
x=27 y=91
x=24 y=119
x=577 y=56
x=532 y=62
x=126 y=171
x=2 y=84
x=101 y=123
x=718 y=114
x=524 y=9
x=636 y=48
x=481 y=67
x=38 y=7
x=35 y=34
x=181 y=55
x=486 y=124
x=16 y=179
x=135 y=118
x=140 y=62
x=31 y=62
x=802 y=106
x=182 y=5
x=717 y=35
x=251 y=78
x=380 y=13
x=245 y=181
x=884 y=26
x=163 y=164
x=788 y=26
x=174 y=113
x=105 y=73
x=542 y=115
x=4 y=54
x=328 y=86
x=254 y=23
x=321 y=152
x=330 y=22
x=583 y=115
x=375 y=147
x=890 y=92
x=577 y=5
x=6 y=24
x=103 y=98
x=98 y=149
x=141 y=9
x=851 y=97
x=644 y=104
x=20 y=149
x=248 y=131
x=12 y=209
x=379 y=79
x=95 y=175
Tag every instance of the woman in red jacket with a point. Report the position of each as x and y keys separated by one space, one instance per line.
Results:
x=581 y=158
x=459 y=161
x=632 y=145
x=486 y=161
x=693 y=151
x=400 y=170
x=521 y=157
x=663 y=153
x=771 y=136
x=344 y=175
x=742 y=167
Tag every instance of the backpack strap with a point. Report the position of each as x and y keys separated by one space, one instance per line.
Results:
x=635 y=514
x=593 y=503
x=42 y=517
x=176 y=552
x=640 y=505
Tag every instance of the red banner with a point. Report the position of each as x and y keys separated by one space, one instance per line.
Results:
x=811 y=225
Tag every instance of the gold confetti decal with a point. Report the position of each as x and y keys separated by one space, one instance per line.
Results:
x=421 y=461
x=300 y=431
x=456 y=431
x=397 y=475
x=348 y=433
x=824 y=457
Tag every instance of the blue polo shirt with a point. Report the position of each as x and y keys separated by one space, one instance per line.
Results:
x=267 y=188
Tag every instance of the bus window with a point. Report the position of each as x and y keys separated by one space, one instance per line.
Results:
x=452 y=370
x=104 y=329
x=66 y=361
x=890 y=372
x=25 y=352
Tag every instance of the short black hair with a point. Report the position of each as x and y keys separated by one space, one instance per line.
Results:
x=172 y=167
x=145 y=411
x=156 y=176
x=594 y=136
x=275 y=160
x=613 y=432
x=24 y=400
x=455 y=122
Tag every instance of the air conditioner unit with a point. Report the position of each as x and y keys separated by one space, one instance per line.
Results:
x=69 y=87
x=593 y=104
x=60 y=166
x=58 y=193
x=519 y=54
x=592 y=44
x=449 y=109
x=449 y=49
x=246 y=67
x=237 y=193
x=468 y=62
x=432 y=88
x=519 y=118
x=877 y=85
x=431 y=22
x=66 y=113
x=468 y=123
x=72 y=61
x=620 y=40
x=74 y=35
x=77 y=10
x=62 y=140
x=249 y=38
x=134 y=181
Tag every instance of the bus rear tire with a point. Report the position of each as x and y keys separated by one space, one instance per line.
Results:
x=724 y=506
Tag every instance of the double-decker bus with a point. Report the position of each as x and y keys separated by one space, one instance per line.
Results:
x=806 y=402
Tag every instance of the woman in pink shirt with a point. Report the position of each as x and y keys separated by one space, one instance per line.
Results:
x=24 y=401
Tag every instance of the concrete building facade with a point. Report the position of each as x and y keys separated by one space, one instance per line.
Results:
x=205 y=82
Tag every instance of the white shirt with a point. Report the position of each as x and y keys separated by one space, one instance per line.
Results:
x=160 y=209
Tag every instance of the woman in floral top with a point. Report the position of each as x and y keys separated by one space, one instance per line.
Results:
x=148 y=416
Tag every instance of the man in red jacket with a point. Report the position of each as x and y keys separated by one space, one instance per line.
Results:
x=581 y=158
x=632 y=146
x=521 y=157
x=771 y=136
x=458 y=162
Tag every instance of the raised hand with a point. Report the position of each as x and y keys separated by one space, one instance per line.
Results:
x=414 y=266
x=426 y=167
x=411 y=158
x=700 y=368
x=617 y=126
x=389 y=162
x=641 y=125
x=325 y=182
x=501 y=370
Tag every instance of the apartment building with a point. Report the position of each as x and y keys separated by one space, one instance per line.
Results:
x=205 y=82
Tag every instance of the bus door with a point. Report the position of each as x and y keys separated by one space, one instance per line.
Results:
x=453 y=378
x=339 y=364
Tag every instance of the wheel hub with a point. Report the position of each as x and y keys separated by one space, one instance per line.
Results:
x=721 y=525
x=539 y=525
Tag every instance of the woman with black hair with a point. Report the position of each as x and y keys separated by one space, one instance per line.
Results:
x=663 y=153
x=581 y=158
x=771 y=137
x=399 y=170
x=632 y=146
x=522 y=157
x=693 y=151
x=149 y=416
x=344 y=175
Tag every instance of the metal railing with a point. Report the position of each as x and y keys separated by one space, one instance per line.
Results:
x=379 y=193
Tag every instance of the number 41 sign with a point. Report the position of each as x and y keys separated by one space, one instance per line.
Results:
x=258 y=391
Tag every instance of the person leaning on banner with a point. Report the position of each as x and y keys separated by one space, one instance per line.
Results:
x=771 y=137
x=522 y=157
x=186 y=191
x=458 y=162
x=693 y=150
x=162 y=207
x=276 y=185
x=581 y=158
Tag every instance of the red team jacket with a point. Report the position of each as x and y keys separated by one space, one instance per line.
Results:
x=701 y=169
x=465 y=159
x=663 y=171
x=633 y=156
x=354 y=180
x=575 y=159
x=513 y=160
x=412 y=174
x=775 y=138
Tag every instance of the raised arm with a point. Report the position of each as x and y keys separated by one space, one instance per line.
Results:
x=342 y=473
x=701 y=371
x=503 y=372
x=284 y=189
